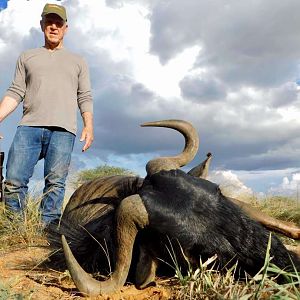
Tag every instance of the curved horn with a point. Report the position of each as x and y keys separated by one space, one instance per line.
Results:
x=130 y=217
x=188 y=153
x=287 y=228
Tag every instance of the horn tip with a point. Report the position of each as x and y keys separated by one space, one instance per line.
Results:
x=149 y=123
x=164 y=123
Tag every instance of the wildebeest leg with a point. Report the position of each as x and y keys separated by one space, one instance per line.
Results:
x=145 y=269
x=131 y=216
x=287 y=228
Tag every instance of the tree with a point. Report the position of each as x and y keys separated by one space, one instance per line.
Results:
x=100 y=171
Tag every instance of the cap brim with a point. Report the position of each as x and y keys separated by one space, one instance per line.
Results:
x=56 y=13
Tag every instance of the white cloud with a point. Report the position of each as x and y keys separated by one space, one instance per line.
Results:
x=230 y=184
x=228 y=67
x=164 y=79
x=290 y=186
x=20 y=16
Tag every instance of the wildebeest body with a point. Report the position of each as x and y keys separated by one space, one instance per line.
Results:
x=204 y=222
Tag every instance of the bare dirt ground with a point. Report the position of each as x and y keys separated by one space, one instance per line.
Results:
x=23 y=277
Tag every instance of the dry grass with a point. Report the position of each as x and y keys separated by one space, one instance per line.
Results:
x=6 y=292
x=203 y=283
x=283 y=208
x=18 y=231
x=207 y=283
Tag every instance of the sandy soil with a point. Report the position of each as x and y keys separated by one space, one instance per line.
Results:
x=21 y=273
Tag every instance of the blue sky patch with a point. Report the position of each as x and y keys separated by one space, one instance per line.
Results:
x=3 y=4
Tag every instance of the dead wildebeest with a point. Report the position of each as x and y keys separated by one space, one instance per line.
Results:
x=114 y=221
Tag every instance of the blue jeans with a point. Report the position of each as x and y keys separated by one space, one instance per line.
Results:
x=31 y=144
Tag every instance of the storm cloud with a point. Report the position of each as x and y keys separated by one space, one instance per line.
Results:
x=229 y=67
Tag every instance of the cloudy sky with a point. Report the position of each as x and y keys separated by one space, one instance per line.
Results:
x=230 y=67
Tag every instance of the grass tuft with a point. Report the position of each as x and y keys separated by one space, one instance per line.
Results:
x=208 y=283
x=6 y=292
x=283 y=208
x=21 y=230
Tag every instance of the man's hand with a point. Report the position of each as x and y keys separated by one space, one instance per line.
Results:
x=87 y=134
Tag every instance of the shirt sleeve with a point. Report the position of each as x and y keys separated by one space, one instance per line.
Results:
x=17 y=89
x=84 y=95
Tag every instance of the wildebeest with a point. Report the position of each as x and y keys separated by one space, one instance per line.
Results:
x=122 y=219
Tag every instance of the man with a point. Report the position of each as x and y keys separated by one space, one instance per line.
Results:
x=51 y=82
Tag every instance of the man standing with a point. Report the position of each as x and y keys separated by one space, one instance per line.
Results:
x=51 y=82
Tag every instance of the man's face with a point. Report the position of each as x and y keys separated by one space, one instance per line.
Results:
x=54 y=29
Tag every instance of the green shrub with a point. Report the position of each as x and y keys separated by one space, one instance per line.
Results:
x=100 y=171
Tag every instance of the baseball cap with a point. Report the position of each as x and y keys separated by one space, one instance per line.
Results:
x=55 y=9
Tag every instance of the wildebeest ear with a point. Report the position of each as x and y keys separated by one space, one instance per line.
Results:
x=201 y=171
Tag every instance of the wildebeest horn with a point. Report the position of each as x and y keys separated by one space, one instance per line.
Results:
x=188 y=153
x=131 y=216
x=287 y=228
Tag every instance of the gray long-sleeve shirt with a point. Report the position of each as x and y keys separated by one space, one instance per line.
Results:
x=52 y=84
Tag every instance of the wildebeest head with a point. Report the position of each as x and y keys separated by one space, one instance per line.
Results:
x=170 y=202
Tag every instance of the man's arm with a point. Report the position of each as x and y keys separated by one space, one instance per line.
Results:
x=15 y=92
x=87 y=134
x=7 y=106
x=85 y=104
